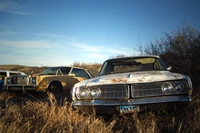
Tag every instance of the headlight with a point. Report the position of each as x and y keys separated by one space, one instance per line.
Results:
x=96 y=92
x=167 y=88
x=178 y=87
x=85 y=92
x=33 y=80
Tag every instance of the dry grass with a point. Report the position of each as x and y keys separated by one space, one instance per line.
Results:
x=93 y=67
x=44 y=116
x=47 y=117
x=26 y=69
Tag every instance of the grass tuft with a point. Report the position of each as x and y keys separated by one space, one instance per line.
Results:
x=46 y=117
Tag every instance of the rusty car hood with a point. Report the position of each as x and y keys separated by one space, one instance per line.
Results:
x=133 y=77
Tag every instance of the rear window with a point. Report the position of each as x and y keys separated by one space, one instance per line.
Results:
x=12 y=74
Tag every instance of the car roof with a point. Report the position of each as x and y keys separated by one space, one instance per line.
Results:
x=131 y=57
x=11 y=71
x=69 y=67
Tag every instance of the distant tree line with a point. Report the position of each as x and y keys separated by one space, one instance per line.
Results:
x=179 y=49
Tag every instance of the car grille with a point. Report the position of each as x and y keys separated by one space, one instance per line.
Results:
x=152 y=89
x=19 y=80
x=114 y=91
x=146 y=89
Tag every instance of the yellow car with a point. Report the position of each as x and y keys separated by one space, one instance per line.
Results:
x=58 y=80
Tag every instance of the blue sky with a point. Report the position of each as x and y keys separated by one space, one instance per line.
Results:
x=61 y=32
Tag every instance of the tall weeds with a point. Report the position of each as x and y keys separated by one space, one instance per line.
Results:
x=47 y=117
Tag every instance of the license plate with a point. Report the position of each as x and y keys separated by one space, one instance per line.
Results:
x=129 y=109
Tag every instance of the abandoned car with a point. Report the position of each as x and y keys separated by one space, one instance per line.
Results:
x=132 y=84
x=7 y=73
x=54 y=79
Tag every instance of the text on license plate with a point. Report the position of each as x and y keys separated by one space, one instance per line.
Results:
x=129 y=109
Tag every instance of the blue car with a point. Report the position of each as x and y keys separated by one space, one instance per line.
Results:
x=1 y=84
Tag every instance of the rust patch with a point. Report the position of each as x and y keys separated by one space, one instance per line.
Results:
x=119 y=80
x=141 y=79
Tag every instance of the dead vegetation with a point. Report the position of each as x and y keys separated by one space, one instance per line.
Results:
x=93 y=67
x=46 y=117
x=26 y=69
x=31 y=114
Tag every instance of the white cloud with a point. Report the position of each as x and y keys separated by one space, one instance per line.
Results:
x=21 y=13
x=4 y=34
x=33 y=60
x=8 y=5
x=25 y=44
x=102 y=50
x=50 y=35
x=12 y=7
x=48 y=53
x=96 y=56
x=62 y=51
x=9 y=33
x=86 y=47
x=3 y=26
x=34 y=53
x=117 y=51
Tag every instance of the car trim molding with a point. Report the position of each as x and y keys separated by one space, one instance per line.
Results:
x=133 y=101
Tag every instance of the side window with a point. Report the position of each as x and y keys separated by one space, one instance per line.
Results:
x=156 y=66
x=91 y=74
x=65 y=70
x=2 y=75
x=11 y=74
x=80 y=73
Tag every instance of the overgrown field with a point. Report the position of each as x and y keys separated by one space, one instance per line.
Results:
x=29 y=114
x=93 y=67
x=26 y=69
x=45 y=116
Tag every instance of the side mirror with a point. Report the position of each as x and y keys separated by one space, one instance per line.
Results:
x=72 y=75
x=169 y=68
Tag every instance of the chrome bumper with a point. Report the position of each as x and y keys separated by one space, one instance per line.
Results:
x=149 y=100
x=23 y=88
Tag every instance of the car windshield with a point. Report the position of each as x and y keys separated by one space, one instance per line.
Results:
x=56 y=71
x=123 y=65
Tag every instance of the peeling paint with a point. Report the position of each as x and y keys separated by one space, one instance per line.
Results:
x=114 y=80
x=135 y=77
x=140 y=85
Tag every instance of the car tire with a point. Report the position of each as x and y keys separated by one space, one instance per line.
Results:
x=55 y=88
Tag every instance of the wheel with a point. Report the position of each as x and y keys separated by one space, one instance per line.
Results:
x=55 y=88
